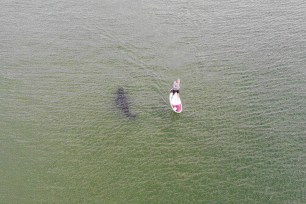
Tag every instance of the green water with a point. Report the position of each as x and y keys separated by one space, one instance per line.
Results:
x=240 y=139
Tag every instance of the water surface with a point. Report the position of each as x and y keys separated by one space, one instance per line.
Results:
x=240 y=138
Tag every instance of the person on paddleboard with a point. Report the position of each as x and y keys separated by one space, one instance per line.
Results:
x=176 y=87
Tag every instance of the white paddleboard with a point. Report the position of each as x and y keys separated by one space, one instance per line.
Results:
x=175 y=102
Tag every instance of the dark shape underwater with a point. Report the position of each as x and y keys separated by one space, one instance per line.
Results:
x=123 y=103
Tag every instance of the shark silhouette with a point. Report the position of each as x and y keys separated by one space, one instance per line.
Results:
x=123 y=103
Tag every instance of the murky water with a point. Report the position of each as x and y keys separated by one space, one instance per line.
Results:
x=240 y=139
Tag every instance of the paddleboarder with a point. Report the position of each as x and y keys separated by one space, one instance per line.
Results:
x=176 y=87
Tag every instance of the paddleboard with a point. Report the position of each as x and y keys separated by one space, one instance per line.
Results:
x=175 y=102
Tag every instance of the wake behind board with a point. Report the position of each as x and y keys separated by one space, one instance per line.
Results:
x=175 y=102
